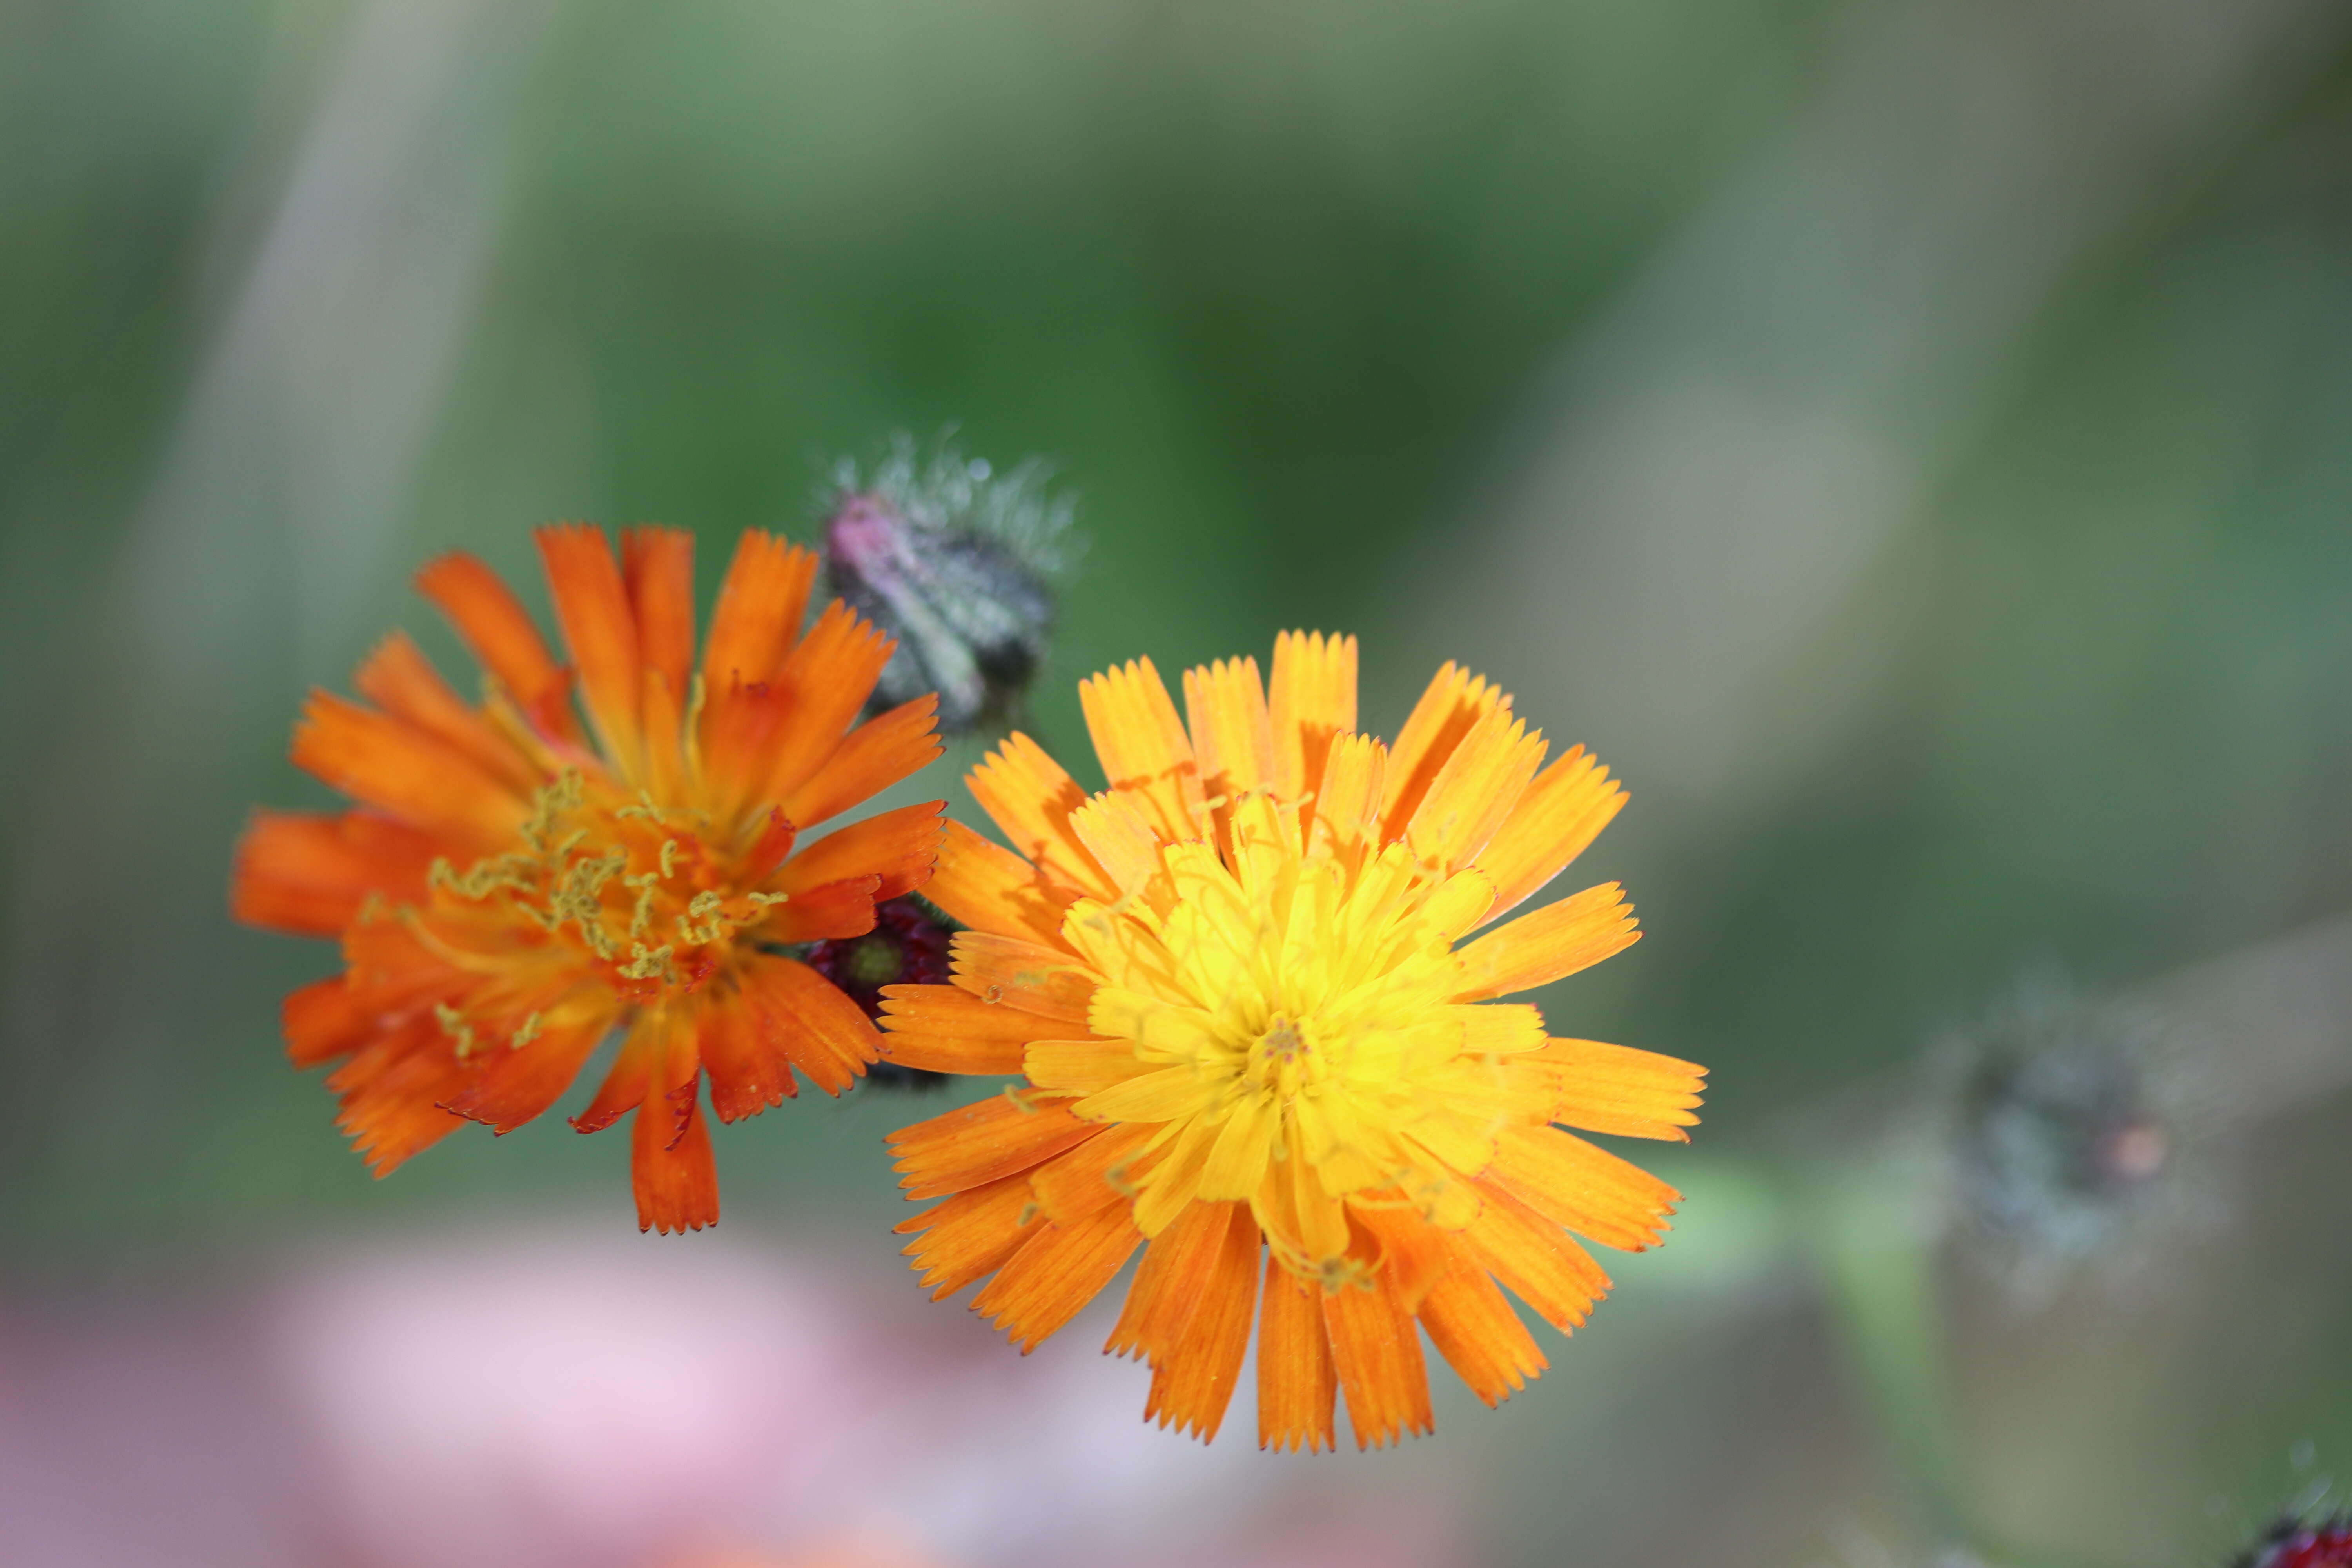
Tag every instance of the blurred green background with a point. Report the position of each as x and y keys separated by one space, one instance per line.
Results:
x=1911 y=443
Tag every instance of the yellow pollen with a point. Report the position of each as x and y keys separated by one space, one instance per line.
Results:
x=453 y=1023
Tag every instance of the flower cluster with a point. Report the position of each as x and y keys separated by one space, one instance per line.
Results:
x=1255 y=990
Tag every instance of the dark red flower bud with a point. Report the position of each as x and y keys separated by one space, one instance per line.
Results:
x=907 y=946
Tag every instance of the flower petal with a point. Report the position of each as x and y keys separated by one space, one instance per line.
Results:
x=1312 y=703
x=1533 y=1258
x=1561 y=813
x=1023 y=974
x=869 y=760
x=657 y=564
x=1030 y=798
x=1455 y=702
x=1376 y=1351
x=759 y=611
x=500 y=632
x=1474 y=791
x=990 y=889
x=982 y=1141
x=672 y=1173
x=1143 y=747
x=897 y=846
x=940 y=1028
x=592 y=605
x=1590 y=1191
x=970 y=1235
x=1296 y=1386
x=398 y=768
x=806 y=1017
x=1057 y=1270
x=1193 y=1383
x=311 y=872
x=1617 y=1089
x=1550 y=944
x=1474 y=1328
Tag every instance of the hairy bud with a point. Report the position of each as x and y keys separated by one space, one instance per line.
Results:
x=958 y=563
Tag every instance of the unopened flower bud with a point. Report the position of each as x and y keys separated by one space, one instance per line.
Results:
x=2080 y=1140
x=907 y=946
x=956 y=562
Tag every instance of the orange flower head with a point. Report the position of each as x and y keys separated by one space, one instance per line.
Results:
x=509 y=890
x=1243 y=988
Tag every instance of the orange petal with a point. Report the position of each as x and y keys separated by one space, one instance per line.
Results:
x=875 y=755
x=322 y=1022
x=1346 y=821
x=749 y=1070
x=1455 y=700
x=822 y=684
x=1411 y=1251
x=1169 y=1283
x=390 y=969
x=806 y=1019
x=1548 y=944
x=1474 y=791
x=1121 y=839
x=1619 y=1090
x=1057 y=1270
x=310 y=873
x=1005 y=970
x=1474 y=1328
x=1591 y=1190
x=1534 y=1258
x=1074 y=1186
x=498 y=630
x=1295 y=1384
x=1376 y=1351
x=1089 y=1066
x=657 y=565
x=982 y=1141
x=1030 y=798
x=1561 y=813
x=671 y=1170
x=517 y=1084
x=759 y=611
x=1192 y=1383
x=592 y=605
x=896 y=846
x=1143 y=747
x=391 y=1095
x=626 y=1082
x=397 y=677
x=1225 y=704
x=396 y=767
x=939 y=1028
x=1312 y=703
x=990 y=889
x=824 y=913
x=971 y=1234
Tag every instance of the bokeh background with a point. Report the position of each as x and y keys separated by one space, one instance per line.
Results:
x=1909 y=440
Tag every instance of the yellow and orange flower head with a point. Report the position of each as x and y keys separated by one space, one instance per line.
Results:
x=510 y=888
x=1243 y=987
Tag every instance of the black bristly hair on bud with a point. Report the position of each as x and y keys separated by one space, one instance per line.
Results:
x=957 y=561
